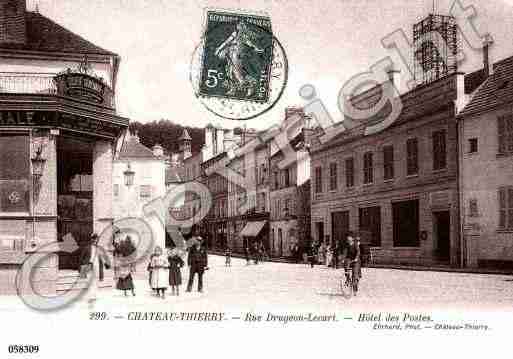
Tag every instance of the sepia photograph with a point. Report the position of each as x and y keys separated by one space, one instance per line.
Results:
x=193 y=177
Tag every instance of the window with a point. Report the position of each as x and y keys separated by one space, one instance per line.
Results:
x=116 y=190
x=505 y=131
x=370 y=220
x=406 y=223
x=349 y=172
x=14 y=173
x=276 y=183
x=388 y=162
x=368 y=175
x=318 y=179
x=145 y=191
x=472 y=145
x=439 y=150
x=286 y=174
x=472 y=208
x=506 y=208
x=412 y=159
x=333 y=176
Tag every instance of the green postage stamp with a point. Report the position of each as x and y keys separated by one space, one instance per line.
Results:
x=237 y=56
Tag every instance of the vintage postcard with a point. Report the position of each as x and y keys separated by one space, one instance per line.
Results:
x=227 y=178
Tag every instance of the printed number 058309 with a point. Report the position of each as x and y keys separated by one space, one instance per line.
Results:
x=23 y=349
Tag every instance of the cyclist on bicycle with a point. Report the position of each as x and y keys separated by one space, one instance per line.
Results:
x=351 y=257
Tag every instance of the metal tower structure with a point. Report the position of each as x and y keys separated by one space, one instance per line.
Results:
x=435 y=43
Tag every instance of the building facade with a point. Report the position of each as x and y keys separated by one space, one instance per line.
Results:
x=399 y=185
x=145 y=184
x=58 y=135
x=486 y=181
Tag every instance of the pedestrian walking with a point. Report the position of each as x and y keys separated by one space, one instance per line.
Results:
x=89 y=266
x=198 y=263
x=329 y=256
x=228 y=257
x=255 y=253
x=149 y=269
x=159 y=273
x=312 y=253
x=175 y=272
x=122 y=251
x=246 y=254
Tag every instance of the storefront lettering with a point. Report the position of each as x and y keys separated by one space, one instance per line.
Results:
x=16 y=118
x=55 y=119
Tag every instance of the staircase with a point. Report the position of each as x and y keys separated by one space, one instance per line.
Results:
x=70 y=280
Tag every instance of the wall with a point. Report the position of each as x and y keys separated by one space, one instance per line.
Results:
x=129 y=203
x=382 y=192
x=482 y=175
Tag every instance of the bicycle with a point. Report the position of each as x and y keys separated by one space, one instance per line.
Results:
x=352 y=280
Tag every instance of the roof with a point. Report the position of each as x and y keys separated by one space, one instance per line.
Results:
x=45 y=35
x=133 y=149
x=496 y=91
x=185 y=135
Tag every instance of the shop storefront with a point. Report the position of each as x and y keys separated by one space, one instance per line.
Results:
x=58 y=135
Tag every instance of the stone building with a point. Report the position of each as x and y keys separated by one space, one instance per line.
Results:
x=58 y=134
x=145 y=184
x=399 y=185
x=486 y=167
x=287 y=208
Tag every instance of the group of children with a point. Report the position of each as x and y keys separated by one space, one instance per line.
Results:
x=165 y=271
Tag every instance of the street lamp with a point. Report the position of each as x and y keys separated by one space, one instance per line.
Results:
x=129 y=175
x=38 y=163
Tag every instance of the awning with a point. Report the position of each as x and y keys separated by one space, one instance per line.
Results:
x=252 y=229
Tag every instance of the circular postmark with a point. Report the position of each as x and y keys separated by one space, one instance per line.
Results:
x=237 y=108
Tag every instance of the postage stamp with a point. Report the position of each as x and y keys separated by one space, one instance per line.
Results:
x=239 y=70
x=237 y=56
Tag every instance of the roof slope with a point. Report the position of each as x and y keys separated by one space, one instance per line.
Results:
x=45 y=35
x=496 y=91
x=133 y=149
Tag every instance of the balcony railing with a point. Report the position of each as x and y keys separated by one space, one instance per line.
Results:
x=20 y=83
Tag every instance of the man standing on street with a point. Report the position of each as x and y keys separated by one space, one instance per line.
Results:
x=198 y=263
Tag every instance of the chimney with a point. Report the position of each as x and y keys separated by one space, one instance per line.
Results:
x=488 y=40
x=394 y=77
x=13 y=27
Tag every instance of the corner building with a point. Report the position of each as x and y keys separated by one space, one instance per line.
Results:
x=58 y=130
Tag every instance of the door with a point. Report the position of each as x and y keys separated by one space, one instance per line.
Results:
x=339 y=225
x=320 y=231
x=443 y=235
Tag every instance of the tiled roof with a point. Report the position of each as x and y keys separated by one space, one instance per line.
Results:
x=133 y=149
x=496 y=91
x=45 y=35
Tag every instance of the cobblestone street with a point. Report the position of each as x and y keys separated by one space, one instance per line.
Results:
x=296 y=286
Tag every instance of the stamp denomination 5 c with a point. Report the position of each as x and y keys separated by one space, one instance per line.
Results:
x=237 y=56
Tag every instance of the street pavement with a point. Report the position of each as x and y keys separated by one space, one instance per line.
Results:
x=285 y=286
x=288 y=287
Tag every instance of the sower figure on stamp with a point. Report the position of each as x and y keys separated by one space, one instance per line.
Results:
x=198 y=263
x=232 y=49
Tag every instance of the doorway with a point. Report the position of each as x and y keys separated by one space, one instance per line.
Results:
x=339 y=226
x=74 y=195
x=442 y=224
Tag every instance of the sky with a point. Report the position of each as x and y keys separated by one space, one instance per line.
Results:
x=326 y=43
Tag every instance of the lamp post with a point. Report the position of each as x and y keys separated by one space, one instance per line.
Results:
x=129 y=175
x=38 y=163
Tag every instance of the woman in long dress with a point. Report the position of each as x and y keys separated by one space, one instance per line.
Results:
x=175 y=273
x=159 y=273
x=122 y=251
